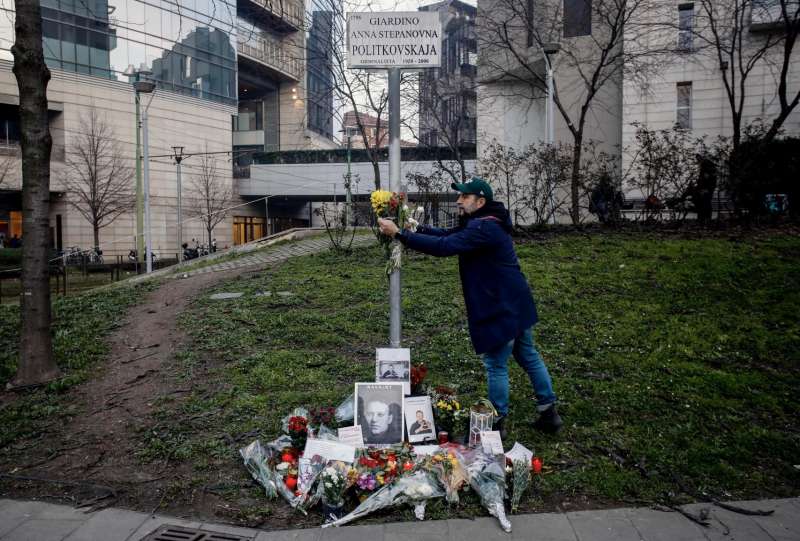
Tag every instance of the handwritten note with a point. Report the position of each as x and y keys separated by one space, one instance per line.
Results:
x=520 y=452
x=330 y=450
x=352 y=435
x=492 y=443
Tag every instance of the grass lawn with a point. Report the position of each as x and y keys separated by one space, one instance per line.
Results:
x=79 y=324
x=675 y=361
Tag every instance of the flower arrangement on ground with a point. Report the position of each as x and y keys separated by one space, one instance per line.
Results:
x=521 y=480
x=450 y=416
x=449 y=469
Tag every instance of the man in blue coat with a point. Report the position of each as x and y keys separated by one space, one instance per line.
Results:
x=500 y=307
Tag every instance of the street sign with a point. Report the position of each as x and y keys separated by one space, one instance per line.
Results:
x=395 y=39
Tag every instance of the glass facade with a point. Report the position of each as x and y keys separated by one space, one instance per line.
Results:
x=189 y=45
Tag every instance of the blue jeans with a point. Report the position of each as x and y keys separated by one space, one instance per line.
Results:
x=528 y=357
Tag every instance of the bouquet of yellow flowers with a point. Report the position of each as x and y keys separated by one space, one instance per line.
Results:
x=392 y=205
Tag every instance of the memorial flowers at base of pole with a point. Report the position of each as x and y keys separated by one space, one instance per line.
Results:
x=521 y=480
x=450 y=416
x=297 y=429
x=449 y=469
x=418 y=373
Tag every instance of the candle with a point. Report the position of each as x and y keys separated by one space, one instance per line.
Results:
x=443 y=437
x=536 y=464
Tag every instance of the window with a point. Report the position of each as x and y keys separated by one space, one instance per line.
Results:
x=685 y=26
x=577 y=18
x=684 y=106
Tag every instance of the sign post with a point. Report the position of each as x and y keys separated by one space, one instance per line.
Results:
x=394 y=41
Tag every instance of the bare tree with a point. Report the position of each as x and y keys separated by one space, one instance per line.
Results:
x=212 y=196
x=504 y=165
x=98 y=179
x=36 y=363
x=745 y=38
x=596 y=45
x=547 y=167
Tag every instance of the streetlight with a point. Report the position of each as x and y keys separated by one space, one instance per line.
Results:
x=348 y=190
x=547 y=50
x=178 y=155
x=142 y=85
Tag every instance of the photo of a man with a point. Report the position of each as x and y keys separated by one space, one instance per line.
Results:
x=421 y=425
x=393 y=365
x=419 y=419
x=379 y=410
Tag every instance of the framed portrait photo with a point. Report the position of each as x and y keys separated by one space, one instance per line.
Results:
x=394 y=365
x=419 y=419
x=379 y=411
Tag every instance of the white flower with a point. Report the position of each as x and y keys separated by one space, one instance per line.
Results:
x=282 y=466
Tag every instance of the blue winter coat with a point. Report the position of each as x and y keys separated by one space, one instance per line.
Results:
x=499 y=302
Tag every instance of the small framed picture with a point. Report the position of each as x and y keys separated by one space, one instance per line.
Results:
x=419 y=419
x=394 y=365
x=379 y=411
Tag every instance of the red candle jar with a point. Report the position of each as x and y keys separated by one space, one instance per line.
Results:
x=443 y=437
x=536 y=464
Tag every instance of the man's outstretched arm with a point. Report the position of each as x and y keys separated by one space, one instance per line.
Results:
x=462 y=241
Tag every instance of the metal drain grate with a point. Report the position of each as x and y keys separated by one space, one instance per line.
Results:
x=168 y=532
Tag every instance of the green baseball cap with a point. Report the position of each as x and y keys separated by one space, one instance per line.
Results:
x=476 y=186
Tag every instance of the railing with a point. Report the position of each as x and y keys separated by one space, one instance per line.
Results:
x=269 y=51
x=286 y=10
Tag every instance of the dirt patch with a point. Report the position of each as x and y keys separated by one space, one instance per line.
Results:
x=91 y=459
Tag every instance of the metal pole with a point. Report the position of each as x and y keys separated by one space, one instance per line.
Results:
x=394 y=186
x=180 y=219
x=139 y=239
x=146 y=167
x=347 y=185
x=266 y=215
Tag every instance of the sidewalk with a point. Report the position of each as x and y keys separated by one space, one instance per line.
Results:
x=37 y=521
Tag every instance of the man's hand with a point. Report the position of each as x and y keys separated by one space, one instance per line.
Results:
x=387 y=227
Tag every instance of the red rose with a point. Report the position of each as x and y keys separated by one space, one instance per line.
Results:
x=291 y=482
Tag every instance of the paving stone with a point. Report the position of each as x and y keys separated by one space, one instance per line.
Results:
x=285 y=294
x=224 y=296
x=783 y=524
x=426 y=530
x=543 y=527
x=485 y=529
x=43 y=530
x=607 y=525
x=109 y=525
x=264 y=294
x=61 y=512
x=13 y=513
x=728 y=526
x=371 y=532
x=291 y=535
x=655 y=525
x=152 y=524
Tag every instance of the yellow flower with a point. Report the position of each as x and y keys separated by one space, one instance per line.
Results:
x=380 y=201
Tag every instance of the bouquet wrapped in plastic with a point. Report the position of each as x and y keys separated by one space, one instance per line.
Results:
x=415 y=488
x=256 y=460
x=448 y=467
x=487 y=477
x=521 y=474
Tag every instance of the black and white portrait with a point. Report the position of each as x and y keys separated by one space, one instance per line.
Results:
x=379 y=411
x=419 y=419
x=394 y=364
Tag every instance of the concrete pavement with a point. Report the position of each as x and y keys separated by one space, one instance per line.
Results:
x=39 y=521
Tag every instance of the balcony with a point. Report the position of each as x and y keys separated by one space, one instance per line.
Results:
x=280 y=15
x=271 y=53
x=766 y=15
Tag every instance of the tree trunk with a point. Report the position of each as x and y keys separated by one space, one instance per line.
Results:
x=208 y=246
x=575 y=211
x=96 y=236
x=36 y=363
x=377 y=170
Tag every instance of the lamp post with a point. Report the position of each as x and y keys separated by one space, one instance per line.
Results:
x=178 y=155
x=550 y=49
x=142 y=85
x=348 y=183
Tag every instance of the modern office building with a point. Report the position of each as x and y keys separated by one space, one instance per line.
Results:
x=230 y=76
x=447 y=95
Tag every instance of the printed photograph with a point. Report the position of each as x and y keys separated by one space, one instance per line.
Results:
x=379 y=411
